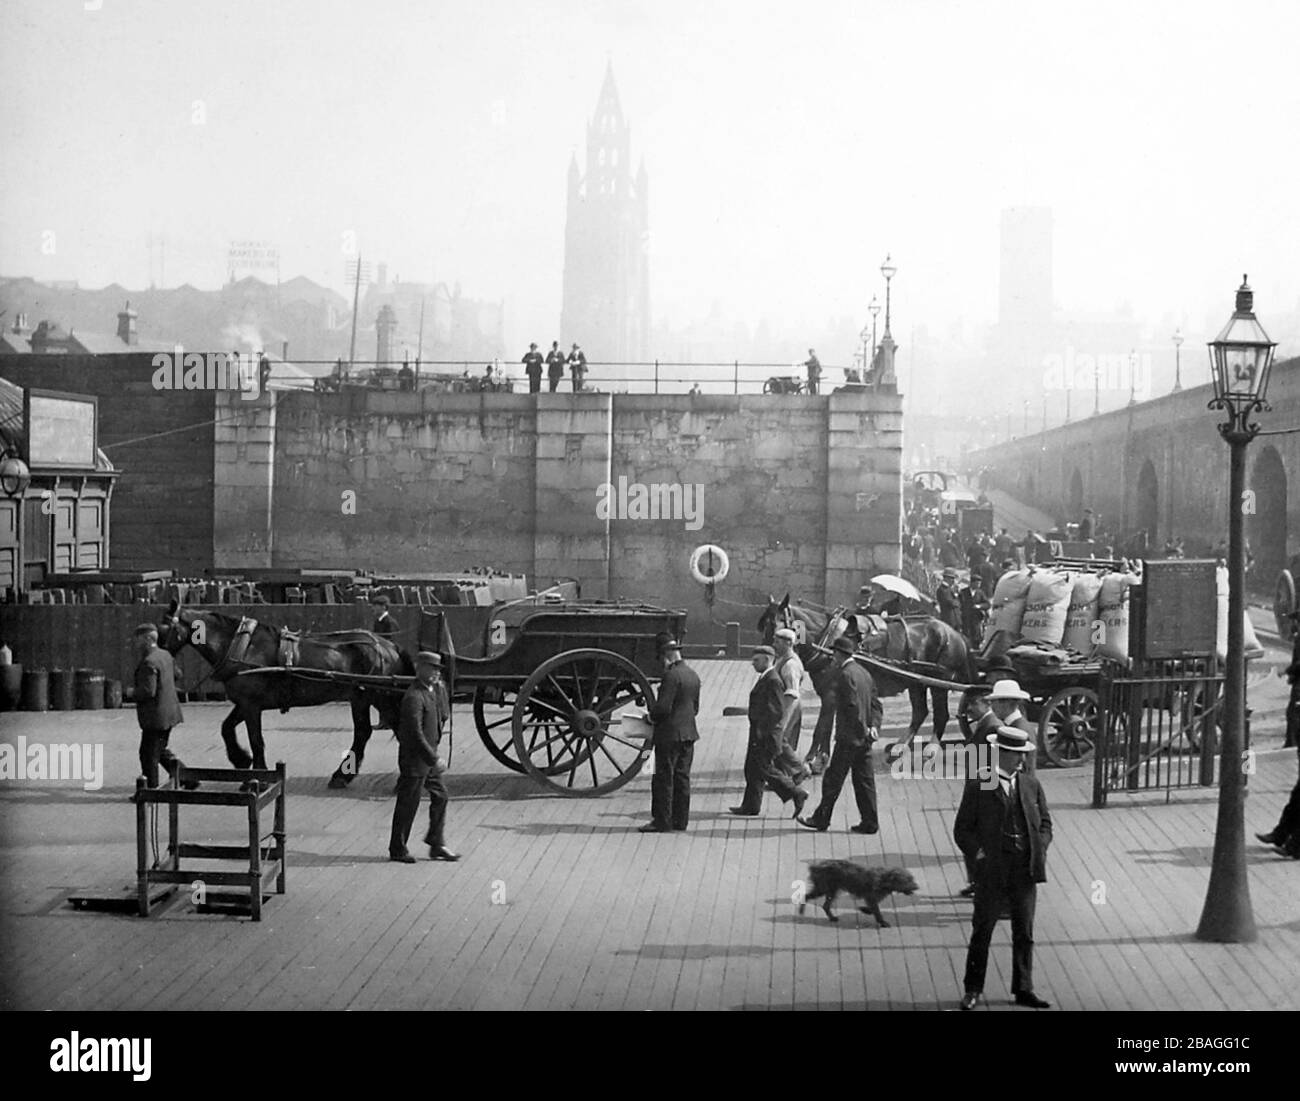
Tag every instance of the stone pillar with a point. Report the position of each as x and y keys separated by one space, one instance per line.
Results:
x=574 y=451
x=243 y=471
x=864 y=490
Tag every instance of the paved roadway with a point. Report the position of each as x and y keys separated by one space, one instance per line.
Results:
x=590 y=914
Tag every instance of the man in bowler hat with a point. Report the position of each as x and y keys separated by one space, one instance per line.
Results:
x=857 y=725
x=1004 y=829
x=675 y=735
x=425 y=708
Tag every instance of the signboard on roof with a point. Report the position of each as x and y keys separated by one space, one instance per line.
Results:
x=61 y=430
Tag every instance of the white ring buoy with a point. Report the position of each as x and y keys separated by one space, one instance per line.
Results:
x=720 y=571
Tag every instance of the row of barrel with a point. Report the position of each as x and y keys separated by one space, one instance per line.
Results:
x=57 y=689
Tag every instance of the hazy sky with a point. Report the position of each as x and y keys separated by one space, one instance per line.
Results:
x=789 y=145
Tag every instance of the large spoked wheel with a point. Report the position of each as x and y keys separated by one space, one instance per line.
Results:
x=1067 y=728
x=494 y=716
x=568 y=722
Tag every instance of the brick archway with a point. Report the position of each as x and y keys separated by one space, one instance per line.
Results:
x=1266 y=529
x=1146 y=503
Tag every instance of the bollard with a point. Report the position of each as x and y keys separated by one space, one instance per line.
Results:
x=11 y=687
x=61 y=690
x=733 y=639
x=36 y=690
x=112 y=694
x=89 y=689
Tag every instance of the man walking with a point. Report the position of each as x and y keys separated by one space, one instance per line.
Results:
x=1004 y=830
x=857 y=726
x=424 y=711
x=156 y=706
x=766 y=707
x=790 y=670
x=673 y=714
x=554 y=366
x=577 y=367
x=533 y=369
x=814 y=366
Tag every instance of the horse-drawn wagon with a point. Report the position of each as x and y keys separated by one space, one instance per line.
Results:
x=556 y=701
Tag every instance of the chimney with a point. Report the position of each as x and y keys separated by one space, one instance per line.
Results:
x=284 y=350
x=385 y=325
x=20 y=323
x=126 y=325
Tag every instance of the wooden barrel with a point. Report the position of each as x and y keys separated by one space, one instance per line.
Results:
x=36 y=690
x=62 y=696
x=112 y=694
x=11 y=687
x=89 y=689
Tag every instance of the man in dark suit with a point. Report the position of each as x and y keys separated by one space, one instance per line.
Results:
x=533 y=369
x=578 y=367
x=1004 y=828
x=554 y=366
x=384 y=624
x=673 y=714
x=766 y=710
x=1285 y=836
x=425 y=708
x=857 y=725
x=156 y=706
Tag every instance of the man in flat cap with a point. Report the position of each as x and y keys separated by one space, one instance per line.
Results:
x=384 y=624
x=1004 y=830
x=790 y=669
x=157 y=707
x=857 y=725
x=766 y=708
x=675 y=735
x=424 y=710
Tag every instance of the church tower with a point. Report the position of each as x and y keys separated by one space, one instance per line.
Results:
x=606 y=306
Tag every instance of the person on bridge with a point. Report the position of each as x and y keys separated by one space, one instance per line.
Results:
x=554 y=366
x=766 y=710
x=858 y=715
x=157 y=707
x=532 y=362
x=1004 y=830
x=814 y=366
x=425 y=708
x=675 y=735
x=577 y=367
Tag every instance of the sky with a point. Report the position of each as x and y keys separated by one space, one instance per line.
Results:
x=789 y=147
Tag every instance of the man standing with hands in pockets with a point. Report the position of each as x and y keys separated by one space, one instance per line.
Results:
x=425 y=709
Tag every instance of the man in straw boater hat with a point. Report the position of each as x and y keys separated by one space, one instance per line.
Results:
x=425 y=708
x=1006 y=698
x=857 y=725
x=1004 y=830
x=766 y=708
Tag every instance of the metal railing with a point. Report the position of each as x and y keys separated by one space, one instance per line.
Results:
x=633 y=376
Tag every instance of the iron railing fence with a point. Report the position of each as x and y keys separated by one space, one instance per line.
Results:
x=1157 y=727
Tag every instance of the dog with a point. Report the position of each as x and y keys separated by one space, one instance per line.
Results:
x=870 y=885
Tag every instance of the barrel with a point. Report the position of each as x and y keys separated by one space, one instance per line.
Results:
x=89 y=689
x=112 y=694
x=61 y=689
x=11 y=687
x=36 y=690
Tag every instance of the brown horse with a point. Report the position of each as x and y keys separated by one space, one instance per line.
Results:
x=921 y=640
x=235 y=644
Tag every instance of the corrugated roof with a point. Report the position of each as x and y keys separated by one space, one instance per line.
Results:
x=11 y=422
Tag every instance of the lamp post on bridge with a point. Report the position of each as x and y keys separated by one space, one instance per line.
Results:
x=1240 y=359
x=874 y=310
x=1178 y=362
x=887 y=346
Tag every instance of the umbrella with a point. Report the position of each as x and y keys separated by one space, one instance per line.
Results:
x=894 y=584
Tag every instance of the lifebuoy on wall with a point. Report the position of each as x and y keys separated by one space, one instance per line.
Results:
x=709 y=564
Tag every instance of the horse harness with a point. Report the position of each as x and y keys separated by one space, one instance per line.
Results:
x=234 y=657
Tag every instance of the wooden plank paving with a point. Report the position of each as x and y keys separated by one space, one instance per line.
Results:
x=596 y=915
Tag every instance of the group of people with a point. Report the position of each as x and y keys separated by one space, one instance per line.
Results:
x=555 y=361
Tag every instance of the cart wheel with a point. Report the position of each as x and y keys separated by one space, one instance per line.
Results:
x=1284 y=604
x=568 y=725
x=1067 y=729
x=495 y=719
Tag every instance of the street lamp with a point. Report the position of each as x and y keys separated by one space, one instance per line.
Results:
x=887 y=269
x=15 y=477
x=1240 y=358
x=873 y=309
x=1132 y=376
x=1178 y=362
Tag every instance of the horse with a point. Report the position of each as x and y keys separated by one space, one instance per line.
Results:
x=234 y=644
x=921 y=639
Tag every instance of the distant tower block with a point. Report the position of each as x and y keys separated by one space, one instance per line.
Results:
x=606 y=305
x=385 y=327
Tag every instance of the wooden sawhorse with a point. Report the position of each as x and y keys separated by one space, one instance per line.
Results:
x=263 y=787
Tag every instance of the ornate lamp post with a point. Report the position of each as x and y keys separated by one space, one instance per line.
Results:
x=887 y=269
x=886 y=375
x=15 y=477
x=1240 y=359
x=873 y=309
x=1178 y=362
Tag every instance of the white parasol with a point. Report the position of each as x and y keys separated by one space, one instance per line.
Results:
x=891 y=583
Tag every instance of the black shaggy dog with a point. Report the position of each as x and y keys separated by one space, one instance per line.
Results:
x=870 y=885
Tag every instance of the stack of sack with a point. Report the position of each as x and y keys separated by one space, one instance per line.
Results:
x=1253 y=648
x=1060 y=614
